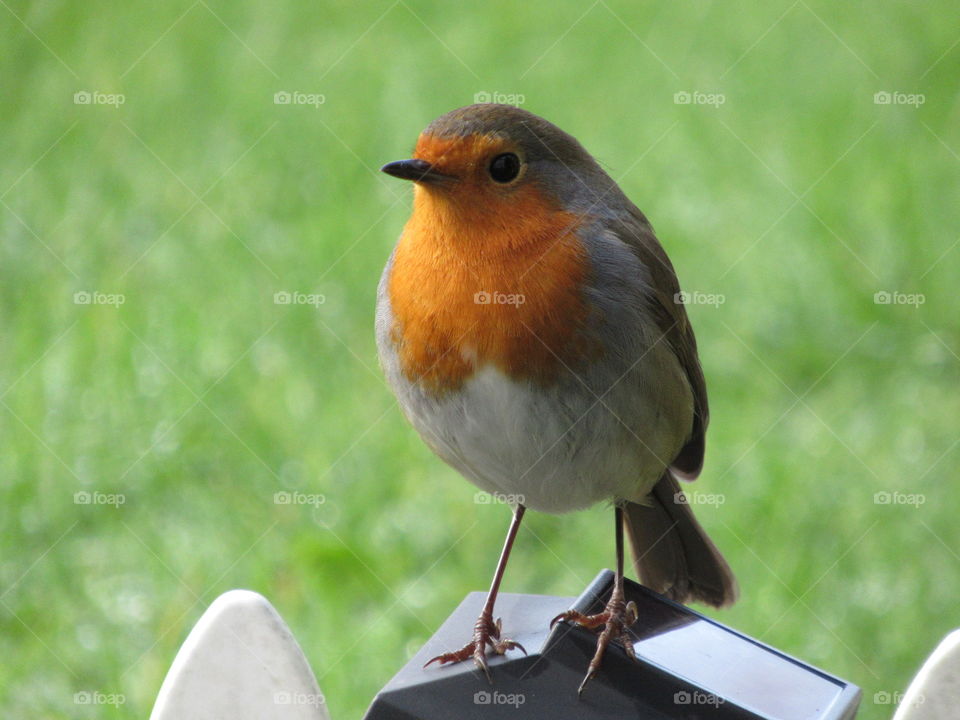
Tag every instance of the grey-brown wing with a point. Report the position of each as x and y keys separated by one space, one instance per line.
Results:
x=671 y=317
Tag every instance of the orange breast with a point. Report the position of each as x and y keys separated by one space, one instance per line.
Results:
x=487 y=278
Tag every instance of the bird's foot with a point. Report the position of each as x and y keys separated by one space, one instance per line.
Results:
x=616 y=619
x=486 y=632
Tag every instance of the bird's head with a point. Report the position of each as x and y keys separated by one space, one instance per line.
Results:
x=492 y=165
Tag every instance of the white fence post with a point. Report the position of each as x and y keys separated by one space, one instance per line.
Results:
x=934 y=693
x=240 y=661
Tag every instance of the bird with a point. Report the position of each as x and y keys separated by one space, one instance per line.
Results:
x=533 y=331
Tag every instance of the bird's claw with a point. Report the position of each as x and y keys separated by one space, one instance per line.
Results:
x=486 y=632
x=616 y=619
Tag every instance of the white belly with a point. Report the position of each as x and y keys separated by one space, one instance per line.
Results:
x=554 y=451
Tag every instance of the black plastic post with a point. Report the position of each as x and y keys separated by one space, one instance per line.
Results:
x=689 y=666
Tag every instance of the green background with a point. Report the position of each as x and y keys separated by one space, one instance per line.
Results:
x=796 y=199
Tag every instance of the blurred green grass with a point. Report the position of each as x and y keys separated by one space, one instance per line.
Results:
x=198 y=398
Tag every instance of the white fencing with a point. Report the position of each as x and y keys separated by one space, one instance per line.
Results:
x=240 y=661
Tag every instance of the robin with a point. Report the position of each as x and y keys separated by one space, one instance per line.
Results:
x=533 y=331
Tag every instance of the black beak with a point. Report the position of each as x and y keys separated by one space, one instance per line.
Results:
x=416 y=170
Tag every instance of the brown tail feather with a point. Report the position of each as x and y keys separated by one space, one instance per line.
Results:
x=672 y=553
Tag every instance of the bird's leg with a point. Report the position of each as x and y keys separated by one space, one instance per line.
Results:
x=486 y=631
x=616 y=618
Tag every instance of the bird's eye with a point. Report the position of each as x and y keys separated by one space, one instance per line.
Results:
x=504 y=167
